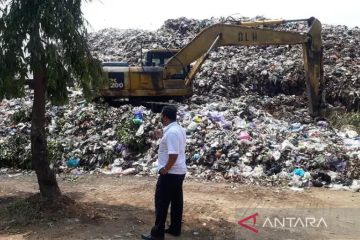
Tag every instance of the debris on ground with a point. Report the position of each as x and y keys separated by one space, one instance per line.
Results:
x=247 y=122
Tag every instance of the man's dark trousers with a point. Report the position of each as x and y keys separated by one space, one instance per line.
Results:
x=168 y=190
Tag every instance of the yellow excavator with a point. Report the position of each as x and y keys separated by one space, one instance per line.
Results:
x=167 y=72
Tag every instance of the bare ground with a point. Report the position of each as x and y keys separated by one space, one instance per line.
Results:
x=122 y=207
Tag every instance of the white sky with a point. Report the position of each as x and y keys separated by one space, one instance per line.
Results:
x=150 y=14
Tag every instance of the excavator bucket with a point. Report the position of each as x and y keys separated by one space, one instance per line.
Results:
x=313 y=65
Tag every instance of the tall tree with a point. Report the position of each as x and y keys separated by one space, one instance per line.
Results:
x=48 y=39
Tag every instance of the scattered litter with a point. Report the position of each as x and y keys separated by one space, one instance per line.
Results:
x=247 y=121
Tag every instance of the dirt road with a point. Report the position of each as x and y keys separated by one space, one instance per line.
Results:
x=126 y=203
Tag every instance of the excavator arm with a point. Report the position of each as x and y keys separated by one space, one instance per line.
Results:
x=248 y=33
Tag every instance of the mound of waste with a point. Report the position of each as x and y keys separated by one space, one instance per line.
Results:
x=248 y=121
x=235 y=139
x=234 y=71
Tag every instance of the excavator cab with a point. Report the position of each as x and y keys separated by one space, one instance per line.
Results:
x=159 y=57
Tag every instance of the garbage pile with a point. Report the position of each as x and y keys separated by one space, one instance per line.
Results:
x=248 y=121
x=79 y=134
x=236 y=139
x=126 y=45
x=234 y=71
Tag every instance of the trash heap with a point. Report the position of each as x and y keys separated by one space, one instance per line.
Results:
x=235 y=71
x=125 y=45
x=248 y=121
x=234 y=139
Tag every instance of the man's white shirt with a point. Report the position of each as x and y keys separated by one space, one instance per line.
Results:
x=173 y=142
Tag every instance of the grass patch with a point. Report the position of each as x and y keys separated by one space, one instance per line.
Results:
x=20 y=213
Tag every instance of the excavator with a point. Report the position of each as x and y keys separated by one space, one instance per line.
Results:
x=170 y=72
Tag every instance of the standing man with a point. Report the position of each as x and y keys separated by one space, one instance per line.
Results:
x=172 y=170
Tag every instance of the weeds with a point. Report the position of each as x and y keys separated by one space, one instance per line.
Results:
x=126 y=133
x=20 y=116
x=20 y=213
x=340 y=120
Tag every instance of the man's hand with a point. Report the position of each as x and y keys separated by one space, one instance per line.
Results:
x=163 y=171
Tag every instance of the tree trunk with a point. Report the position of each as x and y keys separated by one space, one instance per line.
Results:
x=49 y=188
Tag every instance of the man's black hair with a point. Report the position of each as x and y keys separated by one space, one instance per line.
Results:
x=169 y=112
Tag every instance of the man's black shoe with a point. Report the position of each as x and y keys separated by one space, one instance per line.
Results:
x=173 y=233
x=149 y=237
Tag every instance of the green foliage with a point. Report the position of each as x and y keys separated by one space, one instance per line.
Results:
x=126 y=133
x=55 y=153
x=339 y=120
x=16 y=152
x=20 y=116
x=47 y=37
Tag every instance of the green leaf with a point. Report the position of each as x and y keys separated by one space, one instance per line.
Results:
x=48 y=35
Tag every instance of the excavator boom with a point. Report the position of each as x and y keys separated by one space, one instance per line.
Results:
x=247 y=34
